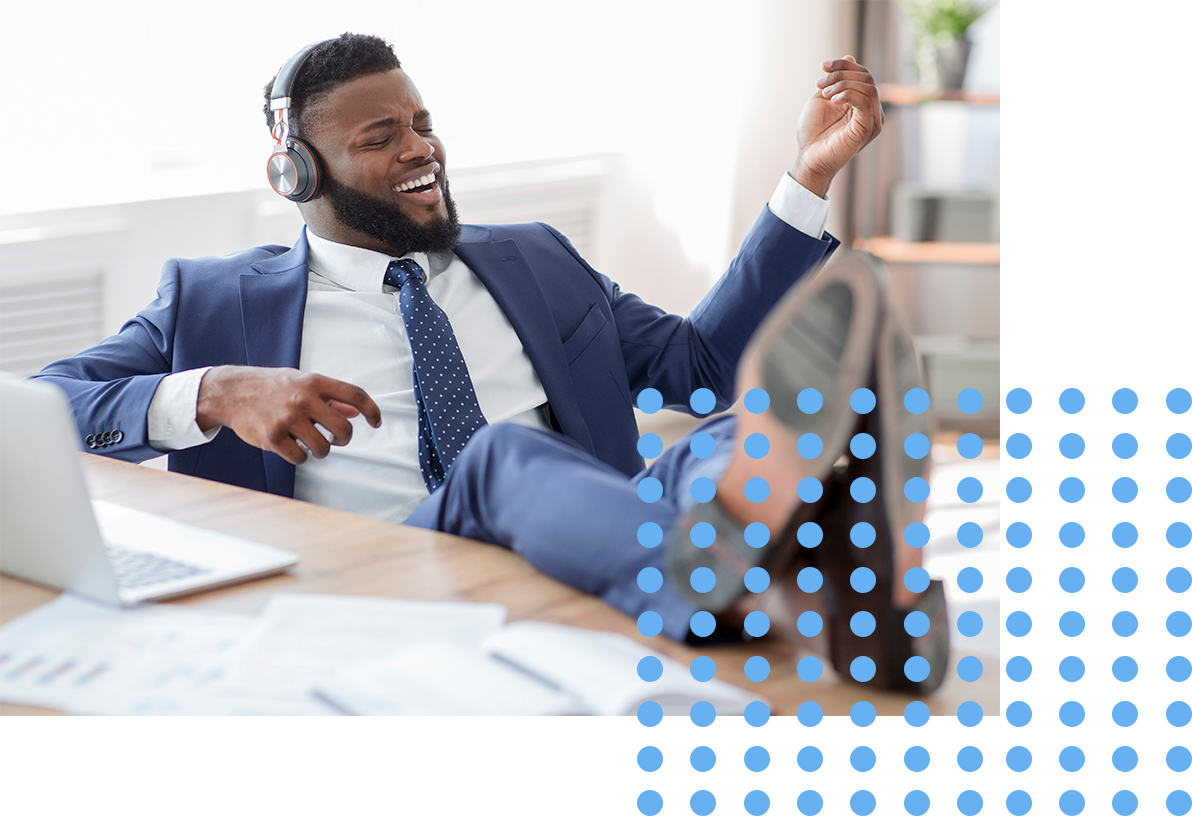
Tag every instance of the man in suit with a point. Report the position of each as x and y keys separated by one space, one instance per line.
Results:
x=309 y=362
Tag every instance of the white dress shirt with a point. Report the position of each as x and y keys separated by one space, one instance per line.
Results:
x=353 y=331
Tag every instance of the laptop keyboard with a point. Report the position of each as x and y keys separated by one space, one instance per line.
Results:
x=135 y=568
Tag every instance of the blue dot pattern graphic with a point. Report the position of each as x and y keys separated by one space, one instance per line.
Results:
x=649 y=535
x=703 y=401
x=448 y=411
x=702 y=446
x=756 y=446
x=809 y=401
x=649 y=668
x=703 y=668
x=649 y=490
x=862 y=401
x=862 y=446
x=757 y=535
x=703 y=623
x=756 y=400
x=809 y=624
x=650 y=446
x=702 y=534
x=649 y=401
x=916 y=401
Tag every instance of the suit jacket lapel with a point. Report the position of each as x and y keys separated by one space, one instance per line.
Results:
x=272 y=305
x=504 y=272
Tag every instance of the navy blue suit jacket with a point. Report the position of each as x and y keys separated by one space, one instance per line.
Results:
x=593 y=346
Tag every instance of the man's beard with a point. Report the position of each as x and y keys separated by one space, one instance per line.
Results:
x=385 y=221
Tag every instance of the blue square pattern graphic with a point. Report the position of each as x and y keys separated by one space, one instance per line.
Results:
x=1072 y=534
x=1018 y=446
x=1177 y=490
x=1018 y=534
x=1072 y=490
x=1125 y=624
x=1018 y=624
x=1125 y=534
x=1178 y=446
x=1072 y=714
x=1072 y=759
x=1125 y=444
x=1018 y=400
x=1072 y=400
x=1178 y=400
x=1071 y=579
x=1018 y=490
x=1125 y=579
x=1125 y=714
x=1124 y=758
x=1125 y=400
x=1071 y=624
x=1125 y=490
x=863 y=758
x=1125 y=670
x=1018 y=714
x=1072 y=444
x=1177 y=624
x=1018 y=579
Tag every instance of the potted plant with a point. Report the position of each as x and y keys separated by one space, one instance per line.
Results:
x=941 y=28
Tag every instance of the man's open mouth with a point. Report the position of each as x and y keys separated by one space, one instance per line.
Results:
x=421 y=184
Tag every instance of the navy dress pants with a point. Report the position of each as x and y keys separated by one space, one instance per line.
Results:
x=571 y=515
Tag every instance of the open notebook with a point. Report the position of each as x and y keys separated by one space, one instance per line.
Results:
x=525 y=668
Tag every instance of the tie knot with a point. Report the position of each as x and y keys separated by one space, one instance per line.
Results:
x=401 y=271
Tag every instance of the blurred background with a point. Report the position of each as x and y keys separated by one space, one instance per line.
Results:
x=651 y=134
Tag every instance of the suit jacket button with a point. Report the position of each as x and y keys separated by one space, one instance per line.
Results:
x=117 y=436
x=90 y=440
x=104 y=438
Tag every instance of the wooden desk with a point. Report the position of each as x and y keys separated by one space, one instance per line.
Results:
x=345 y=554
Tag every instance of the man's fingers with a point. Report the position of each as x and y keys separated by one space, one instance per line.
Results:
x=342 y=392
x=344 y=409
x=312 y=438
x=846 y=64
x=869 y=91
x=835 y=77
x=335 y=423
x=289 y=450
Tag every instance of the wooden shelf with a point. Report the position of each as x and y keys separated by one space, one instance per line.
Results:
x=914 y=95
x=895 y=251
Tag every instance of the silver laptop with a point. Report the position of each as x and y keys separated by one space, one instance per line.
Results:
x=50 y=531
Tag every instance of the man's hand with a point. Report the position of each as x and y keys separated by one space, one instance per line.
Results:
x=276 y=408
x=841 y=117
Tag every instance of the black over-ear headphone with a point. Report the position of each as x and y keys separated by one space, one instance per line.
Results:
x=293 y=169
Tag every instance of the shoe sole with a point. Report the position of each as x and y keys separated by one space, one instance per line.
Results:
x=821 y=336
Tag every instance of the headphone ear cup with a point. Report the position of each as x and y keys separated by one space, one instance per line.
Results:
x=294 y=171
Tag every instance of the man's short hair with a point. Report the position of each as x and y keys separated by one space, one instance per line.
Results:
x=333 y=63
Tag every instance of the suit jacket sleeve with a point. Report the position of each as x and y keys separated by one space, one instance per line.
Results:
x=111 y=385
x=677 y=355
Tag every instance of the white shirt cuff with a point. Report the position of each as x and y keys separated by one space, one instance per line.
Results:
x=799 y=207
x=172 y=412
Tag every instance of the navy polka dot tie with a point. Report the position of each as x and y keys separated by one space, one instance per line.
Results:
x=448 y=413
